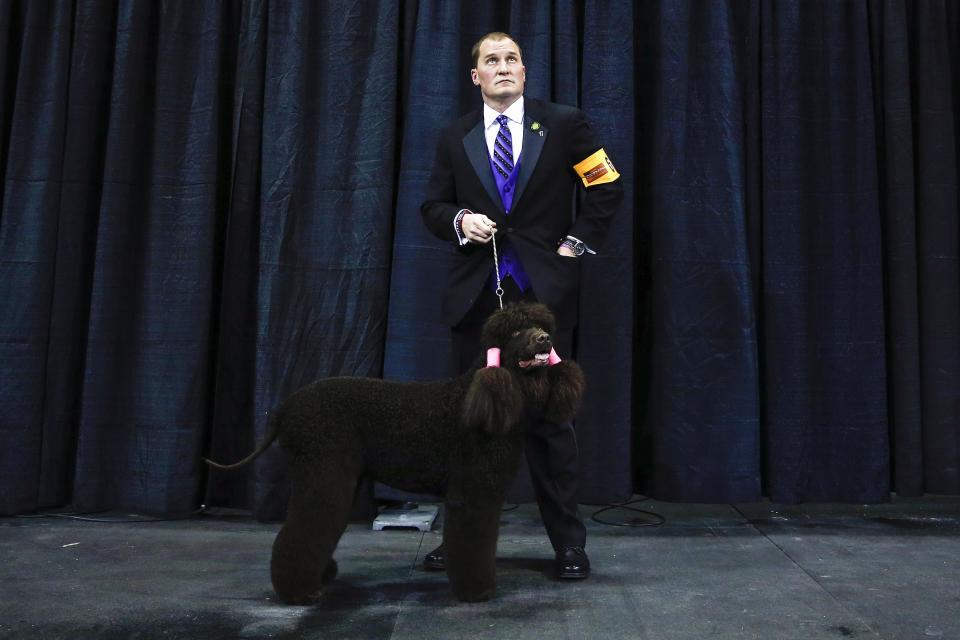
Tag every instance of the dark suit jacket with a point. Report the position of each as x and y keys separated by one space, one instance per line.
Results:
x=555 y=138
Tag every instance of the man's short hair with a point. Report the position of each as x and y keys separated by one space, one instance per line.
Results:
x=493 y=35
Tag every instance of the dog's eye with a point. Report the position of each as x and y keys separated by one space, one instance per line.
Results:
x=515 y=334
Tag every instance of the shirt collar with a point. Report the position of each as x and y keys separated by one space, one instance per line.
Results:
x=514 y=112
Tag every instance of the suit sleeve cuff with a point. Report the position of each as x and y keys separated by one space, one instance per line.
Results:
x=458 y=228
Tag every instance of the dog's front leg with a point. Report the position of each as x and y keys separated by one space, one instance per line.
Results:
x=470 y=534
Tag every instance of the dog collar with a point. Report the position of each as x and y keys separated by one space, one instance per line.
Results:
x=493 y=357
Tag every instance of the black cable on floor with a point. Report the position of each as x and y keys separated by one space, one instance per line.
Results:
x=657 y=518
x=83 y=516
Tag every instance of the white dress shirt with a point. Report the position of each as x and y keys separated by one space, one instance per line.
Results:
x=515 y=113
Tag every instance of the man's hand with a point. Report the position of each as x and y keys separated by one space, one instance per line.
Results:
x=477 y=228
x=564 y=250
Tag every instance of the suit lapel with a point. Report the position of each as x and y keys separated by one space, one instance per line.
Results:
x=533 y=141
x=475 y=144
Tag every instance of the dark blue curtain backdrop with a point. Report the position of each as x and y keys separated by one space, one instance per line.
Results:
x=205 y=205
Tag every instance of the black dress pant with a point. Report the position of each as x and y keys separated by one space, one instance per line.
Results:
x=551 y=449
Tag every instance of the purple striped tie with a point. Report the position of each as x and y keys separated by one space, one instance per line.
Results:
x=503 y=148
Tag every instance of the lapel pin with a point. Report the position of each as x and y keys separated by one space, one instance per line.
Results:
x=535 y=126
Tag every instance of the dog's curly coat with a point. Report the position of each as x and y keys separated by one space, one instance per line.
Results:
x=457 y=438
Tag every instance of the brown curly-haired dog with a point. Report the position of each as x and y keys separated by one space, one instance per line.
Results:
x=457 y=438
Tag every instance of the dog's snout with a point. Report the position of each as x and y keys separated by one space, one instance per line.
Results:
x=543 y=337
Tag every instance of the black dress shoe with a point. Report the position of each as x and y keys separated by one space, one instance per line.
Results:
x=573 y=564
x=434 y=559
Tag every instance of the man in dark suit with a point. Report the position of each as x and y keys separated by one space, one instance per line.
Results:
x=511 y=169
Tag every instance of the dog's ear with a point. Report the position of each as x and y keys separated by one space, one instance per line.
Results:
x=498 y=327
x=566 y=391
x=493 y=402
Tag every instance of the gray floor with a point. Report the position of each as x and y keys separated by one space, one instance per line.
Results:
x=712 y=571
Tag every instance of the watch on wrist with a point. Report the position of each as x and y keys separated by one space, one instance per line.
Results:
x=576 y=246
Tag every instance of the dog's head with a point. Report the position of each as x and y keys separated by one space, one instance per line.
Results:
x=521 y=331
x=523 y=367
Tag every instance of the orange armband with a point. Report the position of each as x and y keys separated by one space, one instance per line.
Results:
x=596 y=169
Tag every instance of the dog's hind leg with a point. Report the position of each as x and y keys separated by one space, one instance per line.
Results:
x=320 y=502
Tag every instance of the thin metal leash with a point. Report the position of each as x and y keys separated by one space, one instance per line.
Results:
x=496 y=267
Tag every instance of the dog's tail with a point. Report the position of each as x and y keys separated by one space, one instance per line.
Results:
x=272 y=433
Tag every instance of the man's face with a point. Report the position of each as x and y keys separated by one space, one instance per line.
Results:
x=500 y=73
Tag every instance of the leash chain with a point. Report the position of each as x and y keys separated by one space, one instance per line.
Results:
x=496 y=267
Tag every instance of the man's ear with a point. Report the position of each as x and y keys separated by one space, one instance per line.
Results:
x=475 y=76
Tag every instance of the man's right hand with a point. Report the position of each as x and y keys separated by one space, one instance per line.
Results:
x=477 y=228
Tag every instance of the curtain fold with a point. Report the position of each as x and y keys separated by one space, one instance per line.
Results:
x=35 y=78
x=917 y=99
x=823 y=307
x=319 y=229
x=604 y=425
x=206 y=205
x=146 y=376
x=704 y=414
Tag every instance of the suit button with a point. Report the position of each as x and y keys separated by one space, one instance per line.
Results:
x=509 y=229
